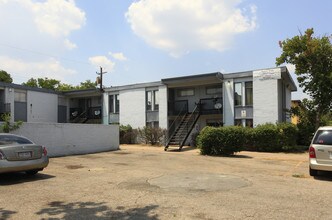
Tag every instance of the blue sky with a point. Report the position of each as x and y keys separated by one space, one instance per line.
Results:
x=147 y=40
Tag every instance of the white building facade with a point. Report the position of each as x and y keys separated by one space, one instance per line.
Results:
x=181 y=104
x=246 y=98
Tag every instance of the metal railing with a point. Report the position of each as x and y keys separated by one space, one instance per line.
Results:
x=191 y=121
x=4 y=107
x=172 y=128
x=79 y=116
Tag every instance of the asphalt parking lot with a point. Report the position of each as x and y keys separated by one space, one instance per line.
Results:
x=141 y=182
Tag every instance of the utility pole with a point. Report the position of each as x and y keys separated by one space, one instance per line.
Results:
x=101 y=78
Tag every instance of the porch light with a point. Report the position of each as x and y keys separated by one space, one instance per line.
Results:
x=228 y=83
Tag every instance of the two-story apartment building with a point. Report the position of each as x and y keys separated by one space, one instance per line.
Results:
x=178 y=104
x=246 y=98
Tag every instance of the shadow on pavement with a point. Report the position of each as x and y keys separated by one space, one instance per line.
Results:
x=17 y=178
x=6 y=214
x=324 y=176
x=92 y=210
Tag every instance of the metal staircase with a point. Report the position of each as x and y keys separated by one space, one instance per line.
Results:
x=185 y=124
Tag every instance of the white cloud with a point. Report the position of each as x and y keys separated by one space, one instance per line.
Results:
x=56 y=17
x=118 y=56
x=179 y=27
x=69 y=45
x=35 y=31
x=24 y=70
x=102 y=61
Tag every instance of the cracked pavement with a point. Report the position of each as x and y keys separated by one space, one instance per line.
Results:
x=143 y=182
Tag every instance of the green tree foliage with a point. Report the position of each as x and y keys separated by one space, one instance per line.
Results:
x=31 y=82
x=65 y=87
x=87 y=85
x=307 y=111
x=54 y=84
x=48 y=83
x=312 y=57
x=6 y=126
x=5 y=77
x=44 y=83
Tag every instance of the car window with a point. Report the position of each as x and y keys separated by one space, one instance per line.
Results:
x=323 y=137
x=11 y=139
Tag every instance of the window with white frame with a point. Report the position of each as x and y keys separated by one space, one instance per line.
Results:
x=186 y=92
x=114 y=104
x=237 y=94
x=20 y=96
x=248 y=93
x=214 y=90
x=243 y=93
x=152 y=100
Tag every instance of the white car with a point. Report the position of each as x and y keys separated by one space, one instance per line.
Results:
x=320 y=151
x=19 y=154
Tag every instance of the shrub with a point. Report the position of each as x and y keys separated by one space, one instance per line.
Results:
x=267 y=138
x=220 y=141
x=127 y=134
x=288 y=135
x=249 y=139
x=6 y=127
x=150 y=135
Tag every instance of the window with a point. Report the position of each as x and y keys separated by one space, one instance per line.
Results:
x=238 y=122
x=156 y=100
x=248 y=94
x=20 y=96
x=152 y=100
x=186 y=92
x=214 y=123
x=111 y=103
x=152 y=124
x=114 y=104
x=238 y=94
x=214 y=90
x=323 y=137
x=117 y=104
x=249 y=123
x=149 y=100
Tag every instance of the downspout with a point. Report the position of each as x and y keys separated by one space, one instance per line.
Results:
x=220 y=76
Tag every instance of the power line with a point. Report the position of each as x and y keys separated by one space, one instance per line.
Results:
x=45 y=54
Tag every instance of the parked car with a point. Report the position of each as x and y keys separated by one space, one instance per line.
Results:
x=320 y=151
x=18 y=154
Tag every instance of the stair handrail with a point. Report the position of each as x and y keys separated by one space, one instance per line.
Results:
x=194 y=115
x=79 y=116
x=183 y=109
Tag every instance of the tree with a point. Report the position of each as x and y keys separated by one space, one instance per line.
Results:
x=31 y=82
x=54 y=84
x=43 y=83
x=312 y=57
x=6 y=126
x=87 y=85
x=5 y=77
x=65 y=87
x=48 y=83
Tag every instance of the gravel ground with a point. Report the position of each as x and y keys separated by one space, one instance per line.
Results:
x=143 y=182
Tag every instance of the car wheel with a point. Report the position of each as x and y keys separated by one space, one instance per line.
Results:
x=313 y=172
x=31 y=172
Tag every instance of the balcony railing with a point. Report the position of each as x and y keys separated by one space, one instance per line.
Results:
x=77 y=115
x=4 y=107
x=211 y=106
